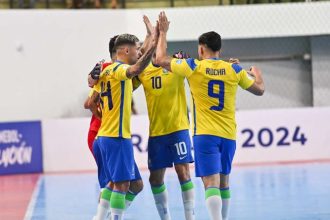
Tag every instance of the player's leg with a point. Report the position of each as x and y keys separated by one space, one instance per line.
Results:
x=159 y=158
x=227 y=148
x=90 y=140
x=103 y=205
x=181 y=154
x=225 y=195
x=213 y=196
x=117 y=200
x=160 y=193
x=208 y=166
x=187 y=190
x=121 y=169
x=136 y=186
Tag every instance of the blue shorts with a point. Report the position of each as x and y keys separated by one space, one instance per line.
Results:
x=213 y=155
x=115 y=160
x=165 y=150
x=103 y=181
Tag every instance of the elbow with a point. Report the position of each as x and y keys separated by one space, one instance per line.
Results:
x=160 y=61
x=86 y=104
x=261 y=92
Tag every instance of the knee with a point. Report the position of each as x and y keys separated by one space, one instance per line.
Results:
x=139 y=186
x=121 y=186
x=183 y=172
x=155 y=181
x=224 y=181
x=184 y=175
x=211 y=181
x=224 y=185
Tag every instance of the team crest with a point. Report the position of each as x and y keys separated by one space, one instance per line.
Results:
x=165 y=72
x=179 y=61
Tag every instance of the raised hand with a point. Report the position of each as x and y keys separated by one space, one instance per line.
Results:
x=163 y=22
x=234 y=60
x=255 y=71
x=148 y=24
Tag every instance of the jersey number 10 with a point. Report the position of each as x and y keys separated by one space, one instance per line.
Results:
x=156 y=82
x=220 y=95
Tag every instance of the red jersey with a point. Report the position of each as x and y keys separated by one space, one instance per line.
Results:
x=95 y=122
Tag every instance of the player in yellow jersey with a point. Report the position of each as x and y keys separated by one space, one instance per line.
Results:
x=213 y=84
x=114 y=137
x=169 y=140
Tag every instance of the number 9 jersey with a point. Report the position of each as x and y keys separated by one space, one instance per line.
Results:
x=115 y=91
x=213 y=85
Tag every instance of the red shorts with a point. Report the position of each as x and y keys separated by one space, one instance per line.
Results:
x=91 y=137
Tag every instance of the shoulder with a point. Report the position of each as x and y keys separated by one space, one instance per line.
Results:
x=119 y=66
x=237 y=68
x=191 y=62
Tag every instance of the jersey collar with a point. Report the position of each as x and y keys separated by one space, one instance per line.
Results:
x=155 y=65
x=214 y=58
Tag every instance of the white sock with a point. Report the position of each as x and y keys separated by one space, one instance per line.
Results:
x=225 y=196
x=160 y=196
x=102 y=210
x=188 y=196
x=127 y=204
x=225 y=209
x=213 y=203
x=189 y=204
x=117 y=214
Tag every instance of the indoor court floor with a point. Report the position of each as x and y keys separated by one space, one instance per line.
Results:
x=272 y=192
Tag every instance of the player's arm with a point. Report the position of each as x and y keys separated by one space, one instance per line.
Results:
x=148 y=39
x=86 y=103
x=94 y=75
x=145 y=59
x=258 y=87
x=161 y=56
x=93 y=104
x=136 y=82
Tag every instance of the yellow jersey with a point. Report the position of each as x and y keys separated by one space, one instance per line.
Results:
x=166 y=100
x=213 y=85
x=115 y=91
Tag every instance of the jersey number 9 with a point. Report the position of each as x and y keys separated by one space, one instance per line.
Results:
x=219 y=95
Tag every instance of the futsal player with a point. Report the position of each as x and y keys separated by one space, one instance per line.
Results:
x=213 y=85
x=115 y=89
x=103 y=205
x=169 y=141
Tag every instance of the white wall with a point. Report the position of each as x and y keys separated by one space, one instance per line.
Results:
x=65 y=140
x=46 y=54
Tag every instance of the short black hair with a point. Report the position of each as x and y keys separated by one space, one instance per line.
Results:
x=124 y=39
x=211 y=39
x=112 y=46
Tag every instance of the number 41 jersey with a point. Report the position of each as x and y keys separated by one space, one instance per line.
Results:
x=213 y=85
x=115 y=91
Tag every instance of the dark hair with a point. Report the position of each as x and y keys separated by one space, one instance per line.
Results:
x=211 y=39
x=112 y=45
x=124 y=39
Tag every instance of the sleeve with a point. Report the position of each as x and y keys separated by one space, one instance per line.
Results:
x=91 y=92
x=244 y=79
x=104 y=65
x=97 y=87
x=183 y=67
x=136 y=82
x=119 y=72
